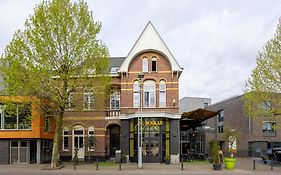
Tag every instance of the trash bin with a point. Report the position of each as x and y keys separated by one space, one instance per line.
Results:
x=118 y=155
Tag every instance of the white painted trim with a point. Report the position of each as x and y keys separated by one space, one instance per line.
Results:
x=151 y=115
x=150 y=40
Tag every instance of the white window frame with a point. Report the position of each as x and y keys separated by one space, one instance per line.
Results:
x=88 y=100
x=114 y=96
x=273 y=130
x=70 y=100
x=63 y=136
x=136 y=94
x=149 y=88
x=162 y=94
x=17 y=115
x=144 y=64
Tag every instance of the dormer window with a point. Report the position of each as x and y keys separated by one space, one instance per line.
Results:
x=144 y=64
x=153 y=64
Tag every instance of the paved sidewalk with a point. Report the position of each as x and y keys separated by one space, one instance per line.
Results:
x=244 y=167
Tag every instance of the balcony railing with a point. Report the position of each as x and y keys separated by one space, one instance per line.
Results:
x=112 y=112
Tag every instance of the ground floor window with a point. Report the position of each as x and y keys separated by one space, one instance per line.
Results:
x=65 y=137
x=19 y=152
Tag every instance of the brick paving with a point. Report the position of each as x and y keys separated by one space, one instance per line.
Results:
x=244 y=166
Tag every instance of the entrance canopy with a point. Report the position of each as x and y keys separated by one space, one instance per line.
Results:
x=194 y=118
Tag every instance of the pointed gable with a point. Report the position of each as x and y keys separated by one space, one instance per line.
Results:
x=150 y=40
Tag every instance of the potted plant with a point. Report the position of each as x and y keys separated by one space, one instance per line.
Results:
x=231 y=137
x=167 y=159
x=214 y=151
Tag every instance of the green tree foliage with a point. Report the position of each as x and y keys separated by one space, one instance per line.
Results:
x=262 y=91
x=58 y=50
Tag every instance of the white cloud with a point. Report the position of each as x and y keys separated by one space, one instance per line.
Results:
x=215 y=41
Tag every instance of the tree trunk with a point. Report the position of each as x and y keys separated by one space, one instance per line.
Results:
x=57 y=141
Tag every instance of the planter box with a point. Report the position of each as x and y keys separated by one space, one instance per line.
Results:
x=217 y=166
x=167 y=161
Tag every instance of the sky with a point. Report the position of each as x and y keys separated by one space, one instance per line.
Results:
x=215 y=41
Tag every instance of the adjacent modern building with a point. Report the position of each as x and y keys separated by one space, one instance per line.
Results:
x=26 y=132
x=192 y=103
x=254 y=132
x=193 y=135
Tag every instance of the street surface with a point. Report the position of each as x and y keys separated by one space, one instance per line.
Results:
x=244 y=167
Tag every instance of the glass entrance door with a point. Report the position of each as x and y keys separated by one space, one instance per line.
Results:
x=19 y=151
x=151 y=147
x=78 y=141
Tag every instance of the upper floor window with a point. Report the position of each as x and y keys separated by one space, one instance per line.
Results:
x=220 y=129
x=162 y=93
x=88 y=99
x=149 y=96
x=47 y=124
x=70 y=99
x=115 y=100
x=144 y=64
x=266 y=105
x=206 y=105
x=136 y=96
x=221 y=116
x=154 y=64
x=269 y=127
x=15 y=116
x=114 y=70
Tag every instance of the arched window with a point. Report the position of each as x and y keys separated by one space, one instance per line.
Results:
x=65 y=135
x=136 y=97
x=144 y=64
x=91 y=138
x=149 y=96
x=154 y=64
x=162 y=93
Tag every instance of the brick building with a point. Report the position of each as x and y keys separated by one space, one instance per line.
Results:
x=254 y=132
x=116 y=127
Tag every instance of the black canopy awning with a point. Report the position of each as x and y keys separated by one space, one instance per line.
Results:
x=194 y=118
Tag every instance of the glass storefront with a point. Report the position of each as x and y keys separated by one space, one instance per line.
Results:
x=155 y=139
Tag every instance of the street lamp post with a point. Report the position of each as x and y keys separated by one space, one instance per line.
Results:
x=140 y=76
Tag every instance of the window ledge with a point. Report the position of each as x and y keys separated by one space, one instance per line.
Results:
x=15 y=129
x=269 y=134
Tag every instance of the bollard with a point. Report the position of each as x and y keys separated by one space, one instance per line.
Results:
x=75 y=158
x=74 y=165
x=119 y=165
x=271 y=164
x=254 y=164
x=182 y=164
x=97 y=164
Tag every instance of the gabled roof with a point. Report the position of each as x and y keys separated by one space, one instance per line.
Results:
x=150 y=40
